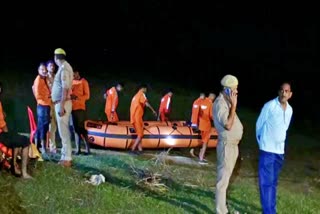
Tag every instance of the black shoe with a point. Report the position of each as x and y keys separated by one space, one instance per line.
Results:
x=133 y=153
x=203 y=162
x=139 y=152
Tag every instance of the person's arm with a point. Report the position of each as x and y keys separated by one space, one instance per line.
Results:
x=4 y=129
x=210 y=113
x=195 y=114
x=115 y=97
x=152 y=109
x=66 y=80
x=261 y=120
x=105 y=95
x=168 y=105
x=86 y=90
x=160 y=108
x=33 y=90
x=232 y=112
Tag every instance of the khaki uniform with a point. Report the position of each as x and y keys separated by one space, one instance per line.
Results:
x=227 y=149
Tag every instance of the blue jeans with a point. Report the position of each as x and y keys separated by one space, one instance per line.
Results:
x=43 y=113
x=270 y=165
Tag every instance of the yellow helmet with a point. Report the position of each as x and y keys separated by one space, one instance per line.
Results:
x=59 y=51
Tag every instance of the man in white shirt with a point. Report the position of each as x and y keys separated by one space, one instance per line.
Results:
x=271 y=130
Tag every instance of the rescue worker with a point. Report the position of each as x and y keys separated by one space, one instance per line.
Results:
x=195 y=116
x=205 y=121
x=112 y=102
x=80 y=94
x=165 y=106
x=138 y=102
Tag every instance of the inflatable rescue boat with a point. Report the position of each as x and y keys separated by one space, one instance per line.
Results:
x=157 y=134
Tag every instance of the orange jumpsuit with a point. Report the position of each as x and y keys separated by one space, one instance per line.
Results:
x=205 y=118
x=195 y=111
x=136 y=112
x=111 y=105
x=80 y=88
x=165 y=107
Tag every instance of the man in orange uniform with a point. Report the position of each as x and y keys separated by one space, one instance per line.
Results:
x=205 y=120
x=165 y=106
x=195 y=110
x=80 y=94
x=195 y=116
x=112 y=101
x=42 y=94
x=138 y=102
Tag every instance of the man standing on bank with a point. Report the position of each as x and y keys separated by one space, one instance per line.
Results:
x=60 y=95
x=230 y=132
x=271 y=130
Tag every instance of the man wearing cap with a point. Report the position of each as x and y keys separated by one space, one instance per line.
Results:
x=61 y=90
x=230 y=132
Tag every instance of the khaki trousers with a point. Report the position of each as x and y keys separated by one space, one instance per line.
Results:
x=52 y=129
x=227 y=154
x=64 y=130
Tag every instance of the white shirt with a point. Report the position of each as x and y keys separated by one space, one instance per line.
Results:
x=272 y=125
x=62 y=80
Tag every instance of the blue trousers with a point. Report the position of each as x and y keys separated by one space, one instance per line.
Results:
x=43 y=113
x=270 y=165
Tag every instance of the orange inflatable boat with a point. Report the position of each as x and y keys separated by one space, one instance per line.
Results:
x=121 y=135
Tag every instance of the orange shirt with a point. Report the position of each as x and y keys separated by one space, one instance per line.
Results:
x=205 y=114
x=111 y=100
x=80 y=88
x=41 y=91
x=137 y=106
x=165 y=104
x=2 y=119
x=195 y=111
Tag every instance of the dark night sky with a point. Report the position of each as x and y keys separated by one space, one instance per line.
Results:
x=261 y=44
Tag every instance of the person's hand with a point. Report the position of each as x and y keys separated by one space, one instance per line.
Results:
x=61 y=111
x=5 y=129
x=73 y=97
x=155 y=113
x=233 y=98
